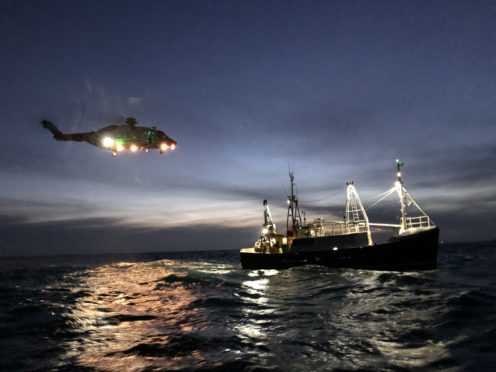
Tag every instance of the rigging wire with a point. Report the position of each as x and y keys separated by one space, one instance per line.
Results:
x=329 y=197
x=382 y=196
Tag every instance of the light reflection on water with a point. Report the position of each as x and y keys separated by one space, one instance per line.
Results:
x=148 y=315
x=134 y=315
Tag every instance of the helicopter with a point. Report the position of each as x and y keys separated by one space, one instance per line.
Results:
x=117 y=138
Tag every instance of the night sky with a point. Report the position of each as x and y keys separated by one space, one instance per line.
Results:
x=336 y=89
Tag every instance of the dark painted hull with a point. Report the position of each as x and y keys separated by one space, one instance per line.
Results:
x=411 y=252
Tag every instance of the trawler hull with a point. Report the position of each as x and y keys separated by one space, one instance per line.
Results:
x=416 y=251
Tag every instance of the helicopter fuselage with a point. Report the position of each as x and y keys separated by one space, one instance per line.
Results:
x=117 y=138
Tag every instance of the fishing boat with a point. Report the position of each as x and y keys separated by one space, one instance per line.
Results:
x=412 y=246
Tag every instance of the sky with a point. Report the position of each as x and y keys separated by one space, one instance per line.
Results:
x=336 y=90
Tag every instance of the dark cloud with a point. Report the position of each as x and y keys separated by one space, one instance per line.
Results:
x=466 y=225
x=471 y=178
x=105 y=235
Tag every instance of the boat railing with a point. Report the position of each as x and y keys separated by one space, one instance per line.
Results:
x=418 y=222
x=340 y=228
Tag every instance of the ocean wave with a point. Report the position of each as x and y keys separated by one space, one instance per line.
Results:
x=202 y=312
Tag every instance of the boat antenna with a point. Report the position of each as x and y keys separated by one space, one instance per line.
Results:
x=293 y=209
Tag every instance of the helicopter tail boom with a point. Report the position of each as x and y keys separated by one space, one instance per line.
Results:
x=57 y=134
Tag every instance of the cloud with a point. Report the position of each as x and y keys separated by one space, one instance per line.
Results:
x=134 y=101
x=97 y=105
x=107 y=235
x=57 y=200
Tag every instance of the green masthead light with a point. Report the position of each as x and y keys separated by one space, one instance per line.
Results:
x=399 y=162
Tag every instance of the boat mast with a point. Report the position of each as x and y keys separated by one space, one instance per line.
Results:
x=406 y=199
x=401 y=193
x=269 y=226
x=354 y=207
x=293 y=209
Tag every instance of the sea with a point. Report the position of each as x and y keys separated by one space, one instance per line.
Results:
x=199 y=311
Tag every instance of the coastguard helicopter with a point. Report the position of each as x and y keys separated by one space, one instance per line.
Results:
x=117 y=138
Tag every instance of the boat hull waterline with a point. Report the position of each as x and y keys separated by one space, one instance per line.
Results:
x=416 y=251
